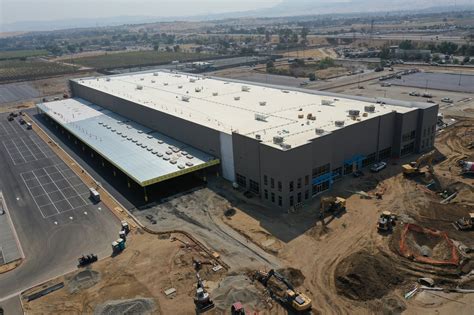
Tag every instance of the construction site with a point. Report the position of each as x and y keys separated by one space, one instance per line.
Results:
x=397 y=241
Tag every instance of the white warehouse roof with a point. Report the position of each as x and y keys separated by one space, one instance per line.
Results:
x=146 y=156
x=249 y=109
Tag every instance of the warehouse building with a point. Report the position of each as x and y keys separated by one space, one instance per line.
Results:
x=284 y=145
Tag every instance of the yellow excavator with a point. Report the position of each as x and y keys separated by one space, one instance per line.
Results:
x=414 y=168
x=289 y=297
x=332 y=204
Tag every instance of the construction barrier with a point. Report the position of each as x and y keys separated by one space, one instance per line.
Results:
x=410 y=252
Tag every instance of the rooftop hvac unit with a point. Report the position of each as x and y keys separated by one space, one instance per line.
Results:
x=245 y=88
x=152 y=81
x=263 y=103
x=277 y=139
x=236 y=98
x=285 y=91
x=319 y=131
x=354 y=112
x=258 y=137
x=141 y=79
x=365 y=114
x=189 y=164
x=185 y=98
x=197 y=90
x=181 y=166
x=139 y=87
x=300 y=116
x=261 y=117
x=155 y=74
x=180 y=86
x=326 y=102
x=215 y=94
x=107 y=79
x=285 y=146
x=339 y=123
x=165 y=84
x=192 y=80
x=369 y=108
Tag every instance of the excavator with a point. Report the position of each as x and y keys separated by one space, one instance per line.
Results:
x=386 y=222
x=289 y=297
x=202 y=299
x=414 y=168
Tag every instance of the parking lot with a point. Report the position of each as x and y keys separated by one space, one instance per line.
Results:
x=27 y=149
x=50 y=209
x=56 y=189
x=17 y=91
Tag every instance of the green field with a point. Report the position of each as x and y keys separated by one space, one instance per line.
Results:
x=14 y=70
x=18 y=54
x=135 y=59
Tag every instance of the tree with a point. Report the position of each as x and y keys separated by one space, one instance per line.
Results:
x=176 y=48
x=270 y=64
x=156 y=46
x=312 y=77
x=268 y=36
x=406 y=44
x=447 y=48
x=304 y=34
x=385 y=53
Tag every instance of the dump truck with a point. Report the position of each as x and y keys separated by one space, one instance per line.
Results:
x=386 y=221
x=465 y=224
x=287 y=296
x=414 y=168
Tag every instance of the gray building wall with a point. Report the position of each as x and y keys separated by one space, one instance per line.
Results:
x=271 y=166
x=198 y=136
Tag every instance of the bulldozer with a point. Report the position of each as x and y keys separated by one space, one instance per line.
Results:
x=386 y=221
x=465 y=224
x=414 y=168
x=289 y=297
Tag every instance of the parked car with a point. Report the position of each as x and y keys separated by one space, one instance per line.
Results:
x=446 y=100
x=377 y=167
x=414 y=93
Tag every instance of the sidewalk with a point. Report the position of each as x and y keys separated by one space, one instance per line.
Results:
x=10 y=248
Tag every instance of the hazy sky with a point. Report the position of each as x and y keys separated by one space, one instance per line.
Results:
x=45 y=10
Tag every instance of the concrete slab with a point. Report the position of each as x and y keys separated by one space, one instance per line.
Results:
x=10 y=248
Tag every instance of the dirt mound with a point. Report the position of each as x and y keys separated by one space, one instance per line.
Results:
x=365 y=276
x=138 y=306
x=230 y=212
x=237 y=288
x=294 y=276
x=83 y=280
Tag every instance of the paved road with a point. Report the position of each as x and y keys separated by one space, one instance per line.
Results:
x=51 y=241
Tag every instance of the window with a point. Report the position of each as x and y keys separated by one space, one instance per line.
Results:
x=370 y=159
x=280 y=186
x=265 y=193
x=337 y=172
x=292 y=201
x=385 y=153
x=407 y=148
x=298 y=183
x=412 y=135
x=280 y=201
x=321 y=187
x=306 y=180
x=265 y=180
x=433 y=128
x=299 y=197
x=254 y=187
x=408 y=136
x=273 y=197
x=348 y=168
x=306 y=195
x=291 y=186
x=272 y=183
x=241 y=180
x=321 y=170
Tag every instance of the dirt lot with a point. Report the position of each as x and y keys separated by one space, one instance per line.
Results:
x=317 y=53
x=344 y=266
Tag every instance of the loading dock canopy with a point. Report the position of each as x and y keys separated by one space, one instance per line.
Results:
x=146 y=156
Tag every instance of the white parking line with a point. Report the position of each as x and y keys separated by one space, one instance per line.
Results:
x=9 y=153
x=52 y=203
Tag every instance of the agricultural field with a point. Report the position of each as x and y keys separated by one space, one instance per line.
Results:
x=16 y=70
x=136 y=59
x=19 y=54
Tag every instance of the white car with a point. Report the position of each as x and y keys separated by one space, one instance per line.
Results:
x=414 y=93
x=377 y=167
x=446 y=100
